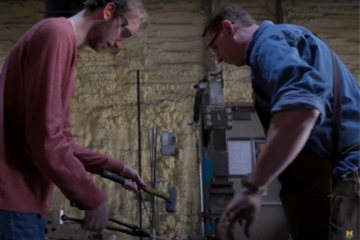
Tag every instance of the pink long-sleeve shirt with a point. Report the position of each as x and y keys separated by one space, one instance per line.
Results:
x=37 y=149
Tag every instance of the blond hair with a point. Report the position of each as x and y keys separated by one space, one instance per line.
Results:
x=137 y=7
x=124 y=6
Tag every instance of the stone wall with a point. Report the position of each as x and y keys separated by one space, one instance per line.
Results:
x=171 y=60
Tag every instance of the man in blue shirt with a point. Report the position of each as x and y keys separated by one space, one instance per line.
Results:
x=292 y=78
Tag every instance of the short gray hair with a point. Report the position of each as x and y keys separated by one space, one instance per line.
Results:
x=232 y=13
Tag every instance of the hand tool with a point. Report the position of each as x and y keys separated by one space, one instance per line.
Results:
x=135 y=230
x=170 y=197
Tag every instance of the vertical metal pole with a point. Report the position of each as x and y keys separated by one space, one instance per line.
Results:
x=210 y=8
x=156 y=202
x=201 y=162
x=279 y=12
x=139 y=139
x=152 y=226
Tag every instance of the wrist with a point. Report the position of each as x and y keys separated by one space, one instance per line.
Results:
x=249 y=188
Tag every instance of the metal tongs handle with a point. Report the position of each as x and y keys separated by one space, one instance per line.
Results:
x=136 y=231
x=79 y=206
x=66 y=218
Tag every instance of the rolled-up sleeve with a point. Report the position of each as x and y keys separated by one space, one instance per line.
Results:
x=291 y=81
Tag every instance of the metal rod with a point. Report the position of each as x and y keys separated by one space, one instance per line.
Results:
x=210 y=8
x=201 y=164
x=269 y=203
x=66 y=218
x=155 y=182
x=279 y=12
x=152 y=209
x=139 y=139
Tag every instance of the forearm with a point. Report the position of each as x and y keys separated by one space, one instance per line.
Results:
x=94 y=162
x=286 y=137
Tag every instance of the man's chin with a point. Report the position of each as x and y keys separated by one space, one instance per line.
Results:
x=230 y=63
x=234 y=62
x=97 y=48
x=240 y=63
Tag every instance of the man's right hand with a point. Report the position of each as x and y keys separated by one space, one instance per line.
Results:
x=96 y=220
x=133 y=179
x=243 y=206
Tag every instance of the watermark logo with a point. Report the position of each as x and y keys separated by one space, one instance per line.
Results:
x=349 y=234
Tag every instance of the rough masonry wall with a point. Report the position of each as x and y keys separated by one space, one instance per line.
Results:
x=171 y=59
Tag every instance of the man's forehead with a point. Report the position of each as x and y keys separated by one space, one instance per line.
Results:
x=132 y=16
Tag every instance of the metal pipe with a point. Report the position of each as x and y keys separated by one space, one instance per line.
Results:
x=152 y=207
x=210 y=8
x=199 y=133
x=279 y=12
x=268 y=203
x=202 y=228
x=155 y=180
x=139 y=138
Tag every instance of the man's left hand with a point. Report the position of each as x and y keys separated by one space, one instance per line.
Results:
x=242 y=207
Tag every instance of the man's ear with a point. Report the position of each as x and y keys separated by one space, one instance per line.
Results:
x=109 y=10
x=228 y=27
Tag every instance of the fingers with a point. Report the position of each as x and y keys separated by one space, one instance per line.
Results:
x=134 y=186
x=234 y=206
x=229 y=217
x=130 y=173
x=225 y=225
x=97 y=219
x=131 y=186
x=248 y=225
x=94 y=225
x=95 y=222
x=139 y=180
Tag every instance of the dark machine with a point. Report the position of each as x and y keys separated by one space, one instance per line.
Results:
x=229 y=139
x=211 y=120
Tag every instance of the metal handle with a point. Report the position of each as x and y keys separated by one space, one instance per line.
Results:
x=134 y=232
x=66 y=218
x=76 y=204
x=117 y=178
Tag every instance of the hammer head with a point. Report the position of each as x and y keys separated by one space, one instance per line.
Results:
x=171 y=204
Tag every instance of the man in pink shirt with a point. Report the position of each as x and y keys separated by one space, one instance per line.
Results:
x=37 y=149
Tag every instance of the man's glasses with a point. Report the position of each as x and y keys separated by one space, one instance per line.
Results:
x=124 y=21
x=125 y=33
x=213 y=50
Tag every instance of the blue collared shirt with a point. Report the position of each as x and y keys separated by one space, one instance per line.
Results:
x=291 y=68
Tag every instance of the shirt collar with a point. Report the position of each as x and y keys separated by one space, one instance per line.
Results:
x=254 y=38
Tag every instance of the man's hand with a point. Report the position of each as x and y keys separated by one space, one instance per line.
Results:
x=96 y=220
x=244 y=206
x=133 y=178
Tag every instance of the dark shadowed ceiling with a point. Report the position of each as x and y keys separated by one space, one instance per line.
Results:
x=62 y=8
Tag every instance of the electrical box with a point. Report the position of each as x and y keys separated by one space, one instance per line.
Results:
x=168 y=145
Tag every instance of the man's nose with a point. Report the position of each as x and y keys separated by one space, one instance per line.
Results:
x=119 y=43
